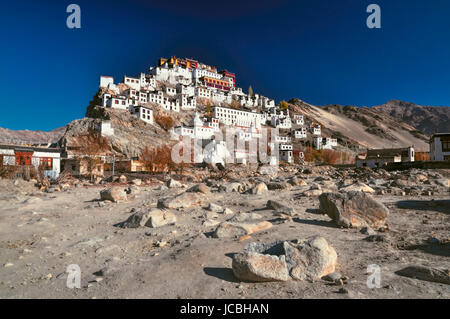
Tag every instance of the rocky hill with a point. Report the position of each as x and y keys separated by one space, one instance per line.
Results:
x=27 y=136
x=361 y=128
x=131 y=135
x=428 y=119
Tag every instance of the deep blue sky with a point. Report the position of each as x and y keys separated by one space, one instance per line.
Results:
x=317 y=50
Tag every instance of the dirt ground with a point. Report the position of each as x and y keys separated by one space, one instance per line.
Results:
x=41 y=234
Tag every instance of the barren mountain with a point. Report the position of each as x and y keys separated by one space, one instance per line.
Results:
x=361 y=127
x=12 y=136
x=428 y=119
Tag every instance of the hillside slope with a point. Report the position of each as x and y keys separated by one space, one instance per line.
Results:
x=361 y=127
x=428 y=119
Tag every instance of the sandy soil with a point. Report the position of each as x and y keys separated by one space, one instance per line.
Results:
x=41 y=234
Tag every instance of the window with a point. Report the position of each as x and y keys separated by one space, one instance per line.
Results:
x=23 y=158
x=446 y=146
x=46 y=163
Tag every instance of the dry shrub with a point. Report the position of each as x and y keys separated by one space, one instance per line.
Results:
x=330 y=156
x=421 y=156
x=8 y=171
x=89 y=149
x=157 y=159
x=327 y=156
x=165 y=121
x=311 y=154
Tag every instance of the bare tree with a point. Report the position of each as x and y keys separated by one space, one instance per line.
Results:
x=91 y=147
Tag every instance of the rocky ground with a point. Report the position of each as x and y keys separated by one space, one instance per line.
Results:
x=177 y=239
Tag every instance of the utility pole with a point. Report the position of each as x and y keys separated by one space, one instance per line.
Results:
x=113 y=166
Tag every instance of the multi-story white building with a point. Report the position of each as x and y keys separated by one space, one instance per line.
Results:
x=187 y=102
x=201 y=129
x=105 y=128
x=185 y=89
x=171 y=91
x=315 y=129
x=286 y=153
x=237 y=117
x=300 y=133
x=282 y=139
x=203 y=92
x=324 y=143
x=116 y=102
x=299 y=119
x=134 y=83
x=143 y=113
x=440 y=147
x=283 y=122
x=265 y=102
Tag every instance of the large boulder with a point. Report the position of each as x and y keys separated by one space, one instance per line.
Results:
x=137 y=182
x=153 y=218
x=200 y=188
x=280 y=208
x=259 y=189
x=122 y=179
x=310 y=260
x=353 y=209
x=426 y=273
x=114 y=194
x=171 y=183
x=295 y=181
x=257 y=267
x=183 y=200
x=232 y=230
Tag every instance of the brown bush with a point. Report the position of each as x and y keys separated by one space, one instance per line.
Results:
x=311 y=154
x=329 y=156
x=165 y=121
x=89 y=149
x=157 y=159
x=8 y=171
x=421 y=156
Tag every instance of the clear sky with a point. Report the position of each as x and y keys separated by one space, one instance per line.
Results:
x=320 y=51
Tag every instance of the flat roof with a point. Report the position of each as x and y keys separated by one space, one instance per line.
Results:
x=21 y=148
x=440 y=134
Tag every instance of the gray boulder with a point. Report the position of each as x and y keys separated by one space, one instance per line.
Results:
x=353 y=209
x=257 y=267
x=426 y=273
x=114 y=194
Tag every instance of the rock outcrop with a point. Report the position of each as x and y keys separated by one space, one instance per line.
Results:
x=353 y=209
x=308 y=260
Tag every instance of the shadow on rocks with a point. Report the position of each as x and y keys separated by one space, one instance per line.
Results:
x=221 y=273
x=322 y=223
x=442 y=206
